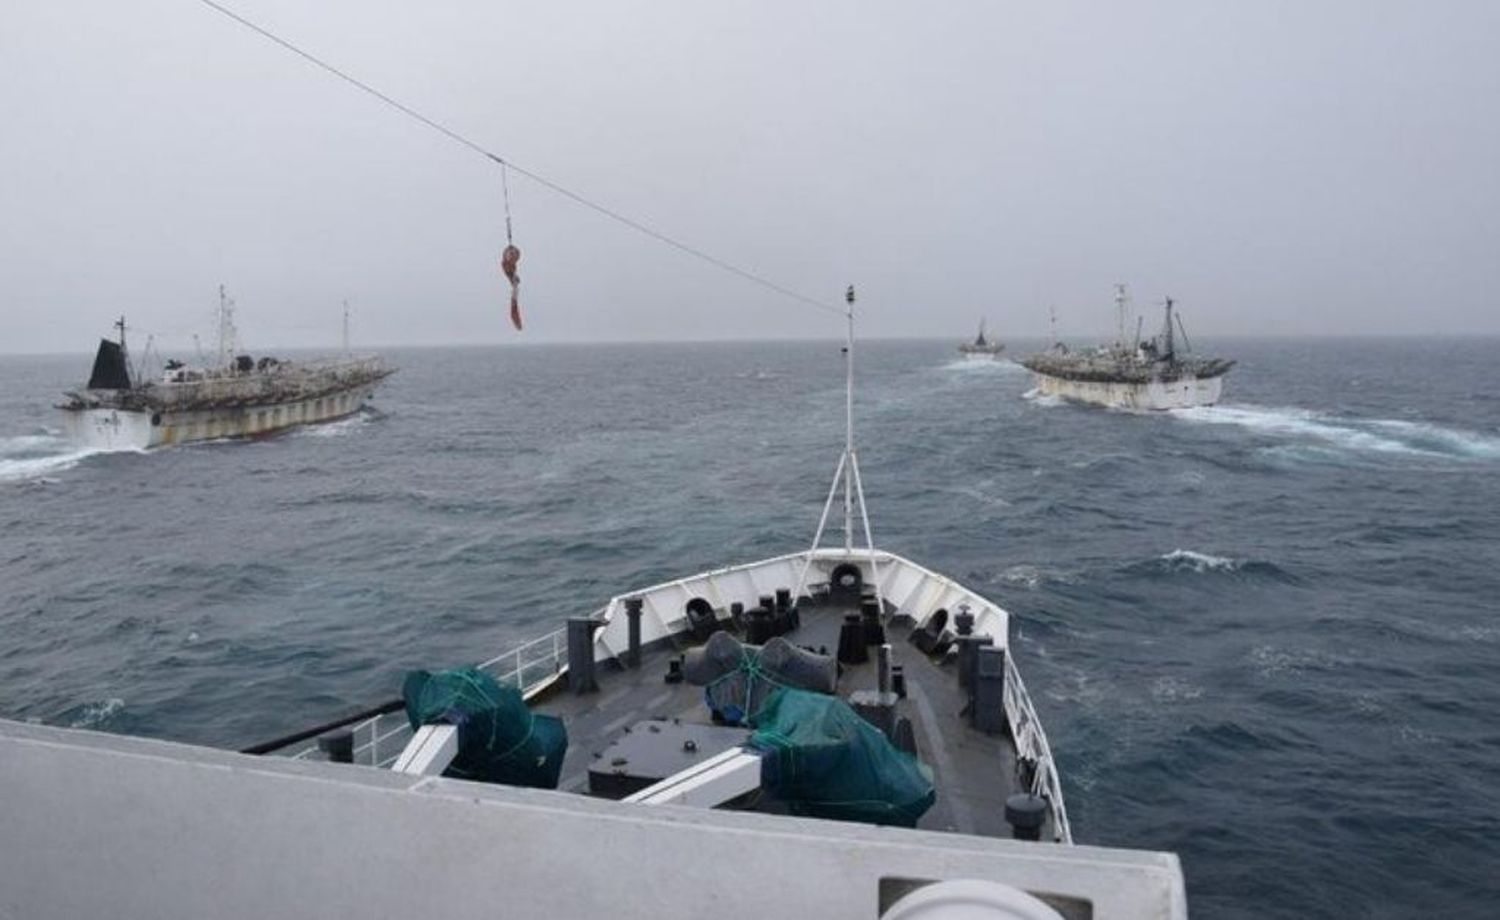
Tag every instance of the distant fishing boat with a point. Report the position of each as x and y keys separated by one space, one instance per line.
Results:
x=239 y=397
x=981 y=349
x=1151 y=374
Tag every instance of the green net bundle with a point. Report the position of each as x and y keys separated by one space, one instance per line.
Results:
x=826 y=761
x=500 y=740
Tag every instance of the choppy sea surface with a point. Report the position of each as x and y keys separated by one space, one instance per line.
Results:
x=1263 y=635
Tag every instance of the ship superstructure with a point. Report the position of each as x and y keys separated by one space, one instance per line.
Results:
x=239 y=396
x=982 y=348
x=1149 y=374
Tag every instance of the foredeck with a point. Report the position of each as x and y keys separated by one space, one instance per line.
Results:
x=973 y=771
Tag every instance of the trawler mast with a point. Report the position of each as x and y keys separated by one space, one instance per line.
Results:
x=228 y=336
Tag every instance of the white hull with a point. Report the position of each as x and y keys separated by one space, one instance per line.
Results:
x=119 y=429
x=1177 y=394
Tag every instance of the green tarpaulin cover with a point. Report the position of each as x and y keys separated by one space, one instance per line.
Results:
x=826 y=761
x=500 y=740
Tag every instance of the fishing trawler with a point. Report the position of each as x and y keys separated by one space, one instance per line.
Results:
x=981 y=349
x=238 y=397
x=1152 y=374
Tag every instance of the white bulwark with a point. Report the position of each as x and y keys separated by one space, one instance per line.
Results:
x=98 y=825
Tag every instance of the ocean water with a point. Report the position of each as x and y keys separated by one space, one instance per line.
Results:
x=1264 y=635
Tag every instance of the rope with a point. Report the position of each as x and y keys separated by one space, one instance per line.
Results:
x=505 y=185
x=535 y=177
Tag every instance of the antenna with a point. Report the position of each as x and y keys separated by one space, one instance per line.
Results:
x=1186 y=345
x=849 y=416
x=847 y=473
x=1121 y=300
x=1170 y=350
x=125 y=352
x=227 y=336
x=138 y=370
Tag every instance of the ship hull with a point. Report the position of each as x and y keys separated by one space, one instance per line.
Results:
x=126 y=429
x=1182 y=393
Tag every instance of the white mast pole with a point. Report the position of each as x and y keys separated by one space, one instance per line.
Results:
x=849 y=422
x=848 y=471
x=1120 y=313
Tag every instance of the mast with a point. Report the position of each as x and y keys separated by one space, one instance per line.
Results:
x=849 y=419
x=346 y=326
x=1170 y=351
x=227 y=342
x=847 y=473
x=1120 y=302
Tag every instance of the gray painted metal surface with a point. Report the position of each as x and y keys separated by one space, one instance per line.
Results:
x=95 y=825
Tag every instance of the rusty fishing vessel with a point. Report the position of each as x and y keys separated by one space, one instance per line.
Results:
x=239 y=396
x=982 y=348
x=1157 y=373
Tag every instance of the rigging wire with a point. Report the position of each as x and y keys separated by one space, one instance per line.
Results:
x=504 y=163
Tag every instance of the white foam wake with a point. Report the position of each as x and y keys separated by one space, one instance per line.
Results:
x=993 y=366
x=1384 y=436
x=336 y=429
x=1199 y=562
x=34 y=456
x=91 y=715
x=1036 y=397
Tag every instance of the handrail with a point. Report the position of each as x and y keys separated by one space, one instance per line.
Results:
x=1031 y=742
x=551 y=647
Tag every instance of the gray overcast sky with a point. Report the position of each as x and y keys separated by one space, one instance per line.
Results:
x=1278 y=167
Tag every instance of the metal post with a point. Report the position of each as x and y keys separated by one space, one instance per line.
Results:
x=822 y=523
x=864 y=512
x=633 y=624
x=849 y=421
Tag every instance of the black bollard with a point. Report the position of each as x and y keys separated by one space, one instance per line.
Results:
x=633 y=612
x=338 y=746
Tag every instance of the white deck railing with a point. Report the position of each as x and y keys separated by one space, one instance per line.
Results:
x=530 y=666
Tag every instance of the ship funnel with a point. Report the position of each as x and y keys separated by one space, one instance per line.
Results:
x=110 y=371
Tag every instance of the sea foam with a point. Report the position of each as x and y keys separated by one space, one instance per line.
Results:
x=1350 y=433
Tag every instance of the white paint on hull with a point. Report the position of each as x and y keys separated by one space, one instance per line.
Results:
x=1184 y=393
x=117 y=429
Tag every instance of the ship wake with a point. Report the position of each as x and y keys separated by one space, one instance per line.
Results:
x=1324 y=432
x=36 y=457
x=993 y=366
